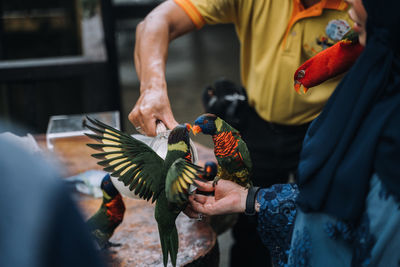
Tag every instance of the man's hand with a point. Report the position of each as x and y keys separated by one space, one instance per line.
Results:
x=229 y=197
x=165 y=23
x=153 y=105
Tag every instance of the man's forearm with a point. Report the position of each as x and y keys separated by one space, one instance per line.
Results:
x=153 y=35
x=162 y=25
x=151 y=49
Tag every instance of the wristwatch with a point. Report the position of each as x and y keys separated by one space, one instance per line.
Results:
x=252 y=205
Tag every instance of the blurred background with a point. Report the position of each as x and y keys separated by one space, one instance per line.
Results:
x=64 y=57
x=61 y=57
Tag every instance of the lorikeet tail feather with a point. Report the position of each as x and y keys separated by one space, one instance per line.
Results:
x=169 y=245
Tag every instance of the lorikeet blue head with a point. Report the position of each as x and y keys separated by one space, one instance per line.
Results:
x=210 y=170
x=206 y=124
x=108 y=187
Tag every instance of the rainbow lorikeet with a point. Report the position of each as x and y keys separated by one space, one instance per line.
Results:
x=231 y=151
x=208 y=174
x=110 y=214
x=329 y=63
x=210 y=171
x=140 y=168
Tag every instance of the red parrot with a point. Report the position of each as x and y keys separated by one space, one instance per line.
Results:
x=328 y=63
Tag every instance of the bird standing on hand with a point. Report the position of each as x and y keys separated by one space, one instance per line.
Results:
x=139 y=167
x=110 y=214
x=231 y=151
x=210 y=171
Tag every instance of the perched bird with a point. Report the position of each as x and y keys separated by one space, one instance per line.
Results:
x=139 y=167
x=208 y=174
x=231 y=151
x=329 y=63
x=110 y=214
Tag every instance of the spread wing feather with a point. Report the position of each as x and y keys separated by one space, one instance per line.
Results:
x=180 y=176
x=132 y=161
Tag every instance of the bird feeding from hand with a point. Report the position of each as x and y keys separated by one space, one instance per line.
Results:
x=165 y=181
x=231 y=152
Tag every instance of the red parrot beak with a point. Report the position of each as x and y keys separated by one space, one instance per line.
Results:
x=196 y=129
x=297 y=84
x=188 y=127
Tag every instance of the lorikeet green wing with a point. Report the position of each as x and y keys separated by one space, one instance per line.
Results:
x=180 y=176
x=244 y=154
x=132 y=161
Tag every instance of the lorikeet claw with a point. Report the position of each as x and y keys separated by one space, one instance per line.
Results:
x=215 y=182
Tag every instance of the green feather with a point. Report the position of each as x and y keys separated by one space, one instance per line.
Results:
x=145 y=173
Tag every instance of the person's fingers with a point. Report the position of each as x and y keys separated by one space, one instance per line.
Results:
x=169 y=121
x=136 y=118
x=206 y=208
x=205 y=186
x=191 y=213
x=133 y=117
x=149 y=125
x=201 y=198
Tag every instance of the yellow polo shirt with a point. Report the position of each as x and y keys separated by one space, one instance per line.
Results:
x=276 y=37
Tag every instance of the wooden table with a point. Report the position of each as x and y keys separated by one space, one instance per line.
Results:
x=138 y=233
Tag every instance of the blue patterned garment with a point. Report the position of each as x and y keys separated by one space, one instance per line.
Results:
x=322 y=240
x=276 y=218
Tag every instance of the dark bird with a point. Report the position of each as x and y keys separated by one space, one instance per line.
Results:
x=231 y=151
x=208 y=174
x=110 y=214
x=210 y=171
x=227 y=100
x=165 y=181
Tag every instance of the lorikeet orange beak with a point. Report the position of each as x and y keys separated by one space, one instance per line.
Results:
x=327 y=64
x=196 y=129
x=208 y=169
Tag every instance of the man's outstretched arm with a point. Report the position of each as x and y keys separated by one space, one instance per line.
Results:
x=153 y=35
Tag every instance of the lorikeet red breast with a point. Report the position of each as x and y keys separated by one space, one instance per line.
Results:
x=110 y=214
x=231 y=151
